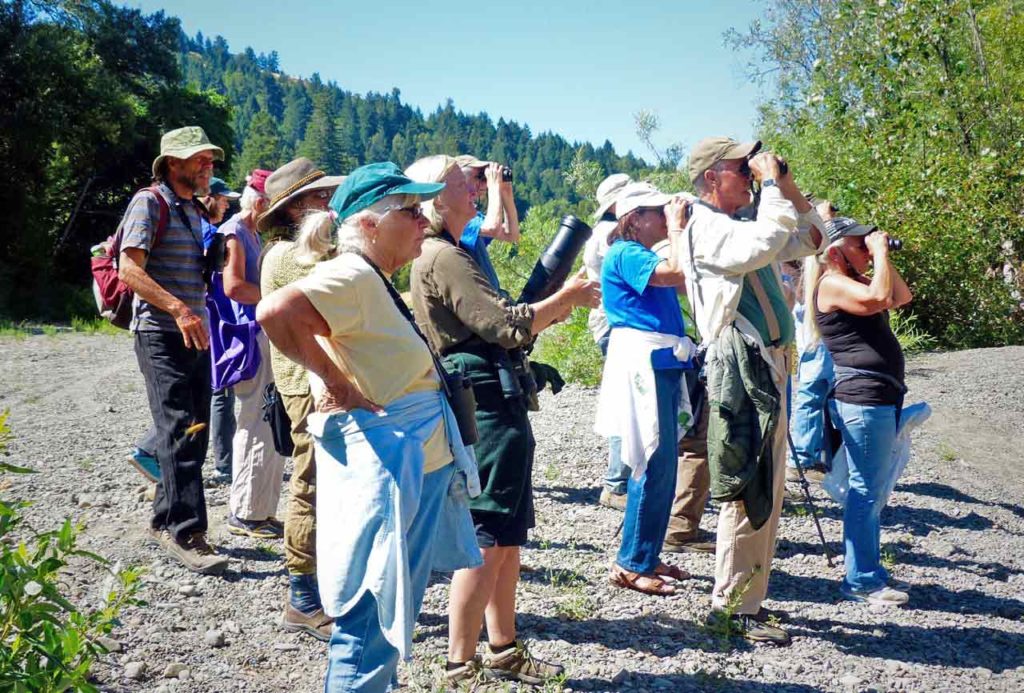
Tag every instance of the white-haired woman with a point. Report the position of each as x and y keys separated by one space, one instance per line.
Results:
x=851 y=312
x=385 y=436
x=474 y=327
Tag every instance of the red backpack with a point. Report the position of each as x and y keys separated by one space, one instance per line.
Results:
x=113 y=297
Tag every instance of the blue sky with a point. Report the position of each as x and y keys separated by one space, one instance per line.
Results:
x=577 y=68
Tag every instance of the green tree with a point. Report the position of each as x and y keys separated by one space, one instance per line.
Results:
x=262 y=148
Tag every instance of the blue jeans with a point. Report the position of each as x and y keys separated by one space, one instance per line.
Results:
x=359 y=657
x=807 y=421
x=222 y=428
x=868 y=434
x=649 y=499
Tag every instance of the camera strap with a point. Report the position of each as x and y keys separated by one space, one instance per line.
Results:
x=407 y=314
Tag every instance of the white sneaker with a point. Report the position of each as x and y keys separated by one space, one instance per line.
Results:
x=883 y=596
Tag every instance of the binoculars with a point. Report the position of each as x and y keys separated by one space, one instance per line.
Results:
x=506 y=174
x=895 y=244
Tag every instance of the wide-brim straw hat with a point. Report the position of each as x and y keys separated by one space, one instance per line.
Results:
x=295 y=178
x=608 y=190
x=183 y=143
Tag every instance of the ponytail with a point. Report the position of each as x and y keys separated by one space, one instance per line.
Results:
x=316 y=238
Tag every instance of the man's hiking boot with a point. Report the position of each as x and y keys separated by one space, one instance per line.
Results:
x=257 y=529
x=883 y=596
x=615 y=501
x=467 y=672
x=194 y=553
x=146 y=464
x=704 y=542
x=517 y=664
x=815 y=473
x=318 y=624
x=753 y=628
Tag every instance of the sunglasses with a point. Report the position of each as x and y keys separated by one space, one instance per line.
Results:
x=414 y=211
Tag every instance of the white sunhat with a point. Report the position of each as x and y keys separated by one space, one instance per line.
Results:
x=608 y=190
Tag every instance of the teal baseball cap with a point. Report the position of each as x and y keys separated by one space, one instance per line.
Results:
x=373 y=182
x=219 y=187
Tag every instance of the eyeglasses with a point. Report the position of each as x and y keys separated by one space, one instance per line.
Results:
x=414 y=211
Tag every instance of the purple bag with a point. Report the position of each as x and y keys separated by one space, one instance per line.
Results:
x=234 y=349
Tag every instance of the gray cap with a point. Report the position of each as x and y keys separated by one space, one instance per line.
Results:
x=845 y=227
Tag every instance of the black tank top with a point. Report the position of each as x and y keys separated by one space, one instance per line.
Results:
x=864 y=342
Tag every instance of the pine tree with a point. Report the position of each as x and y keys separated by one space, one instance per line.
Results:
x=262 y=148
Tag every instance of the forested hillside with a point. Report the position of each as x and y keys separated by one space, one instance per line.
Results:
x=89 y=86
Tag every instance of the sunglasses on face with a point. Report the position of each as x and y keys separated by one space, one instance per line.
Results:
x=414 y=211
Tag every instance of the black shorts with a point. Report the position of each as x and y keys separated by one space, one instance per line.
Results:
x=501 y=529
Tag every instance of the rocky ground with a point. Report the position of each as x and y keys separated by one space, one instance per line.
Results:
x=954 y=531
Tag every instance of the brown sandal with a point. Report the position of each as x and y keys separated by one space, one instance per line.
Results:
x=638 y=582
x=674 y=572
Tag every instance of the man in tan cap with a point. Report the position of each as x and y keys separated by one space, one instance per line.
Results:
x=161 y=260
x=734 y=285
x=295 y=189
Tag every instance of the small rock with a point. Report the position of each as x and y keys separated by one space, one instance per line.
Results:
x=231 y=627
x=173 y=669
x=134 y=670
x=286 y=647
x=109 y=644
x=214 y=638
x=850 y=681
x=892 y=666
x=188 y=589
x=85 y=501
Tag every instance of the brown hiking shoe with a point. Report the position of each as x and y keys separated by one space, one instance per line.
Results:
x=814 y=473
x=517 y=664
x=704 y=542
x=194 y=553
x=615 y=501
x=318 y=624
x=469 y=672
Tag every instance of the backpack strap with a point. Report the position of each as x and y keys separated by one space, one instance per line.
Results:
x=162 y=221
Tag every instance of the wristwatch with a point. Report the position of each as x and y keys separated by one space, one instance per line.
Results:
x=768 y=182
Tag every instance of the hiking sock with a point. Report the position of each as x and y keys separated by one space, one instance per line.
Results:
x=498 y=649
x=304 y=594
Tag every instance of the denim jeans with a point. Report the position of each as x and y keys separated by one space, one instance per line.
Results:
x=360 y=658
x=222 y=428
x=868 y=434
x=807 y=421
x=178 y=389
x=649 y=499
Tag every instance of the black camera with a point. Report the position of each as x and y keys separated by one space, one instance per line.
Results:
x=506 y=174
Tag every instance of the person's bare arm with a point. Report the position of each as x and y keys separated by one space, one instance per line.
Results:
x=235 y=286
x=292 y=324
x=838 y=292
x=501 y=221
x=669 y=272
x=901 y=294
x=766 y=165
x=131 y=270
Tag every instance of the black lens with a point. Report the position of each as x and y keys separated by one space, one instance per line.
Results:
x=895 y=244
x=506 y=174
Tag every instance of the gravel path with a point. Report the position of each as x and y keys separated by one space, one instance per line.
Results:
x=954 y=531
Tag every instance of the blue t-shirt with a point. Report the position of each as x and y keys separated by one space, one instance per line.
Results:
x=476 y=245
x=628 y=300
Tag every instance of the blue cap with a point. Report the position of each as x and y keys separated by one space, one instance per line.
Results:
x=373 y=182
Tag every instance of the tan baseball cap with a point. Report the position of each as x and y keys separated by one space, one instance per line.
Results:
x=470 y=161
x=710 y=150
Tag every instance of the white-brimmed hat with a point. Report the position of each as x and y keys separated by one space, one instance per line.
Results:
x=608 y=190
x=637 y=195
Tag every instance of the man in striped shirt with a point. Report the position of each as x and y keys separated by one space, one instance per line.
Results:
x=164 y=267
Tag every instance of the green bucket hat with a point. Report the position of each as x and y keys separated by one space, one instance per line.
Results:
x=183 y=143
x=373 y=182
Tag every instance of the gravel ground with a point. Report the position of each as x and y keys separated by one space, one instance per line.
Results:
x=954 y=530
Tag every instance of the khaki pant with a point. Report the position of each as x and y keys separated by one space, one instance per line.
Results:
x=300 y=525
x=743 y=555
x=693 y=484
x=257 y=468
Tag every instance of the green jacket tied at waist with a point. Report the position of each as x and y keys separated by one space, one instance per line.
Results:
x=744 y=411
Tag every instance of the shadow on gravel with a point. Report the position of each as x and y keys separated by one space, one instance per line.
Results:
x=570 y=494
x=930 y=488
x=656 y=634
x=799 y=588
x=946 y=646
x=922 y=521
x=685 y=682
x=938 y=598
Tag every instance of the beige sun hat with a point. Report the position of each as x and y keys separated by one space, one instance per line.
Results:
x=470 y=161
x=608 y=190
x=183 y=143
x=295 y=178
x=637 y=195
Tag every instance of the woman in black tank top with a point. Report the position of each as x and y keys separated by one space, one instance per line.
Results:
x=851 y=312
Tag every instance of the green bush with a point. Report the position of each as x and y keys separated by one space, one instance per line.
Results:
x=47 y=644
